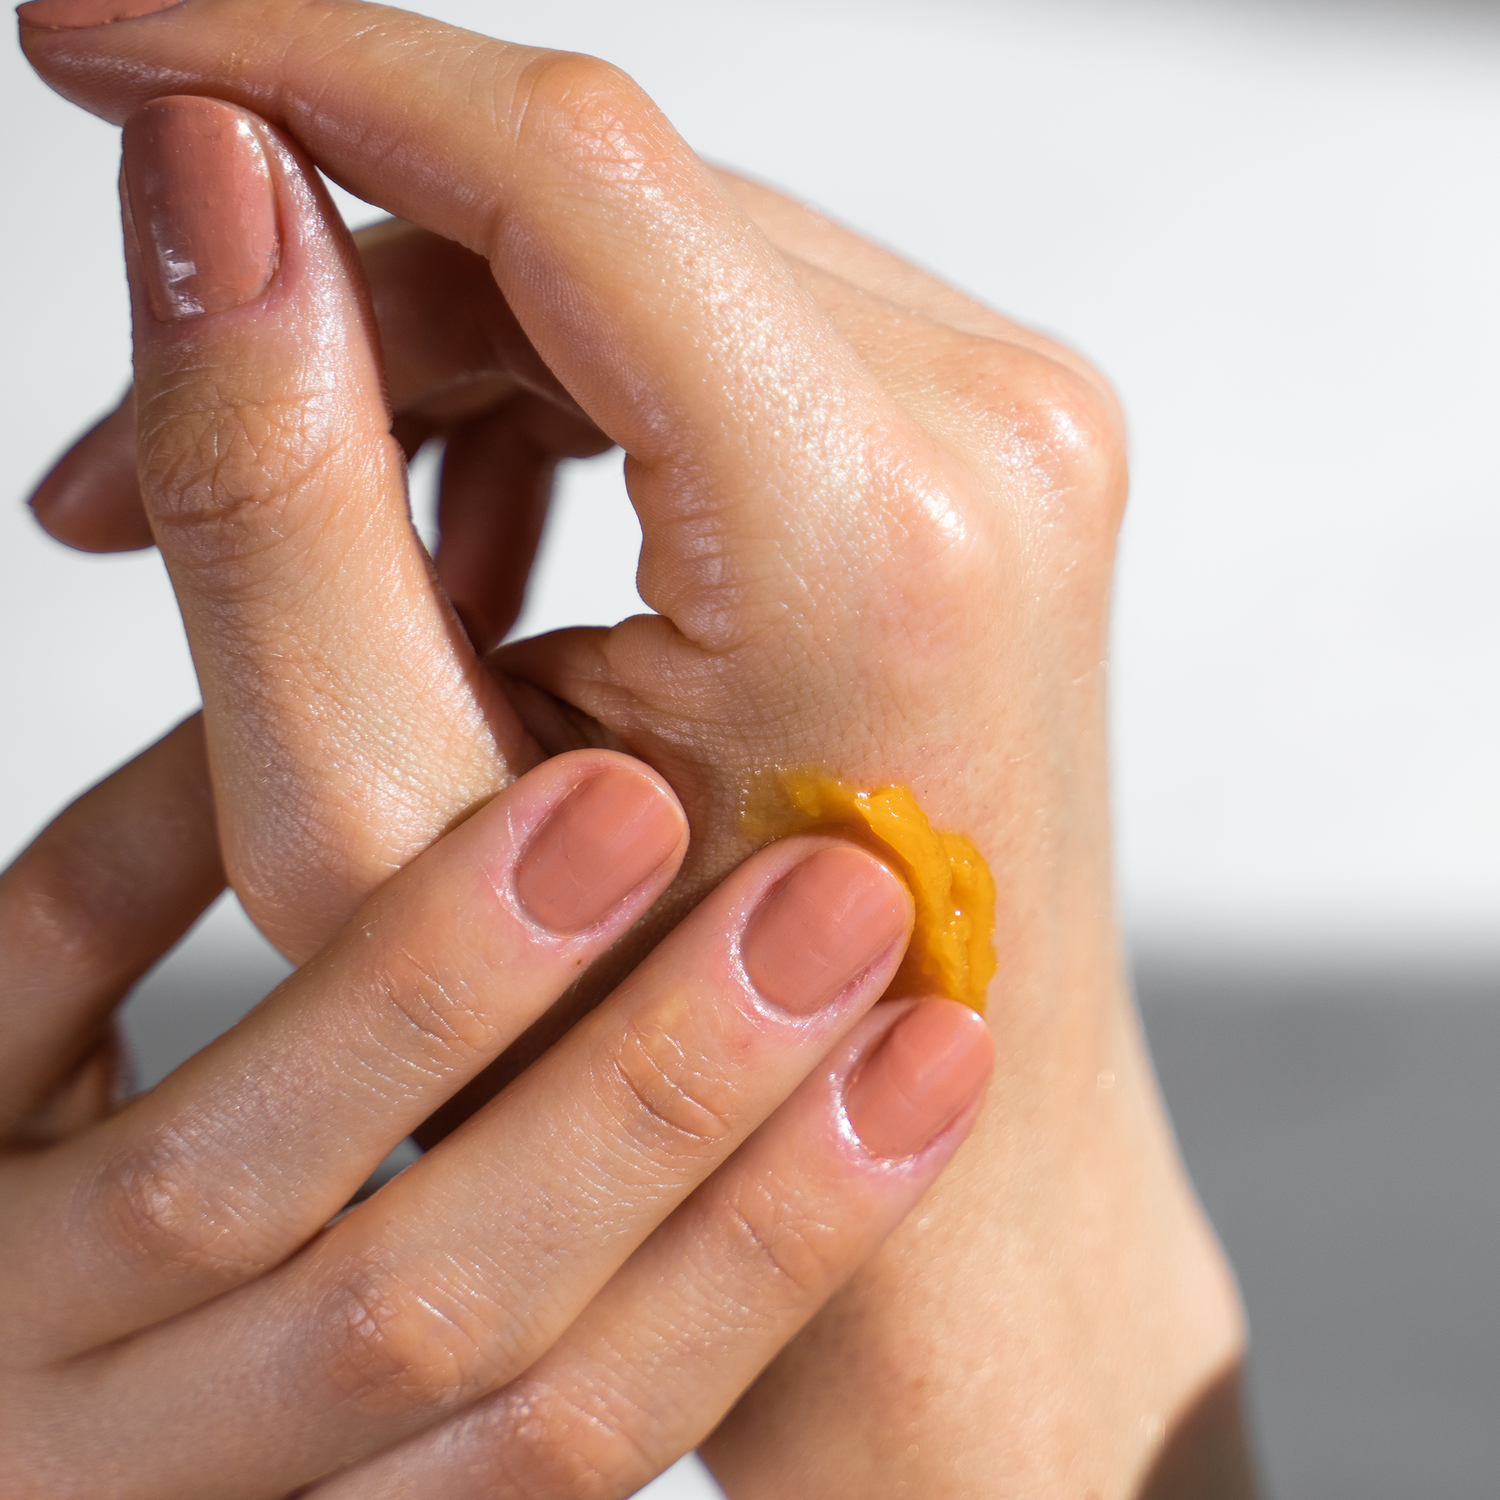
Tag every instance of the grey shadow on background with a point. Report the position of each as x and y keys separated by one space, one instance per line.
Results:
x=1341 y=1122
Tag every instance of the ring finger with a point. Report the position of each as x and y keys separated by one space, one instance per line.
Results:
x=694 y=1316
x=464 y=1270
x=232 y=1162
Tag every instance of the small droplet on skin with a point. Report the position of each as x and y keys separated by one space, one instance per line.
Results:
x=1106 y=1080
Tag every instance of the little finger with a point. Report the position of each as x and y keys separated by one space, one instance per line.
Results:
x=90 y=499
x=720 y=1289
x=461 y=1272
x=231 y=1163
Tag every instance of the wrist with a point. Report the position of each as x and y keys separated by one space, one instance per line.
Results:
x=1056 y=1317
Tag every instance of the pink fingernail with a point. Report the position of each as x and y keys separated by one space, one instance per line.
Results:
x=831 y=918
x=204 y=207
x=599 y=845
x=72 y=15
x=926 y=1071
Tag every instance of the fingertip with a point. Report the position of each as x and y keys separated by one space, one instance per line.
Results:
x=619 y=831
x=201 y=196
x=831 y=919
x=921 y=1077
x=90 y=500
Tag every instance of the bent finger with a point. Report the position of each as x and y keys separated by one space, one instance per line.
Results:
x=673 y=322
x=461 y=1272
x=496 y=485
x=206 y=1182
x=452 y=351
x=91 y=904
x=90 y=499
x=720 y=1289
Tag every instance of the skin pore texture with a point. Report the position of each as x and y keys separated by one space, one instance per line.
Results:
x=879 y=528
x=551 y=1301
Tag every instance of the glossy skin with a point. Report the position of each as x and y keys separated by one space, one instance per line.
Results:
x=951 y=951
x=879 y=526
x=732 y=1128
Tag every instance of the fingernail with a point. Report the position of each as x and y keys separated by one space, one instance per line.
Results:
x=829 y=920
x=600 y=843
x=927 y=1069
x=200 y=194
x=69 y=15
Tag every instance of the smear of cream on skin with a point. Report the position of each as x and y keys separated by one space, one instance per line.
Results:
x=951 y=950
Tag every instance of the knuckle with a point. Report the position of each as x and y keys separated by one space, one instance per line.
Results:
x=595 y=112
x=784 y=1245
x=389 y=1347
x=152 y=1206
x=442 y=1014
x=1076 y=432
x=672 y=1101
x=65 y=913
x=232 y=462
x=1046 y=421
x=554 y=1447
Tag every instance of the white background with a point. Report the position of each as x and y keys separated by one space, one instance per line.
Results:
x=1275 y=226
x=1277 y=229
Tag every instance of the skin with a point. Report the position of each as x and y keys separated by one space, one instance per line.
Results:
x=585 y=1247
x=879 y=524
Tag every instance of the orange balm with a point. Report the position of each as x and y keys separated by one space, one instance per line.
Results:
x=951 y=951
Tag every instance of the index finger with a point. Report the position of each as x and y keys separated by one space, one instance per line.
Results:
x=639 y=279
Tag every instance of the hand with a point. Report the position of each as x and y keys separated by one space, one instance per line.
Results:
x=879 y=528
x=569 y=1275
x=891 y=536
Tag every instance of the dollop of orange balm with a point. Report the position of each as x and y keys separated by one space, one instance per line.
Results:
x=952 y=950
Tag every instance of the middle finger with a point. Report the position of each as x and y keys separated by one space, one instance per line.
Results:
x=231 y=1163
x=461 y=1272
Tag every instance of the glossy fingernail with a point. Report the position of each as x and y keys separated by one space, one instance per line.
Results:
x=600 y=843
x=71 y=15
x=927 y=1069
x=200 y=194
x=829 y=920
